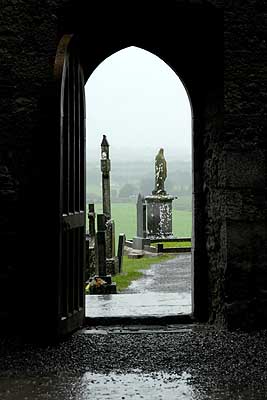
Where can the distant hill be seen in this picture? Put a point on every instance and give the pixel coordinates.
(140, 175)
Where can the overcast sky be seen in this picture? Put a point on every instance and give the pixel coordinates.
(141, 105)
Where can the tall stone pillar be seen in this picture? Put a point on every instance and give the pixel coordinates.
(105, 169)
(111, 259)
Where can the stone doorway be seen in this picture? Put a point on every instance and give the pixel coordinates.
(197, 61)
(157, 293)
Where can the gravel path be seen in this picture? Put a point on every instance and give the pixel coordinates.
(172, 276)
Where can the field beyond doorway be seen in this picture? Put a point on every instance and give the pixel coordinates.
(124, 215)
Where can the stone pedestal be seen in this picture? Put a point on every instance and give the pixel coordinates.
(159, 216)
(140, 242)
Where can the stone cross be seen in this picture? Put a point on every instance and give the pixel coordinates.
(105, 169)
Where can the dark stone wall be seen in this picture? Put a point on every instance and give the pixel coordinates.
(29, 34)
(230, 148)
(235, 176)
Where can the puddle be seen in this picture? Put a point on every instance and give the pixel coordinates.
(138, 304)
(135, 386)
(97, 386)
(132, 385)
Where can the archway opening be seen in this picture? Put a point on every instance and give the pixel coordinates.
(140, 104)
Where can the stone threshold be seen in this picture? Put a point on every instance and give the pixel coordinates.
(140, 320)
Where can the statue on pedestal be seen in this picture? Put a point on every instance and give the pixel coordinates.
(160, 173)
(159, 204)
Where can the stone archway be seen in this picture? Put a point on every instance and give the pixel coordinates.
(187, 35)
(141, 75)
(196, 60)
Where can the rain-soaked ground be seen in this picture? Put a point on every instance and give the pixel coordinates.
(171, 276)
(187, 362)
(192, 362)
(164, 290)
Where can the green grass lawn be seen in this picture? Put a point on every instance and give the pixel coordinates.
(173, 244)
(131, 269)
(124, 215)
(184, 202)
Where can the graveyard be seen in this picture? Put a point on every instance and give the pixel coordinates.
(115, 266)
(125, 216)
(49, 52)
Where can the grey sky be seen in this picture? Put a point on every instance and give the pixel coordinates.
(140, 104)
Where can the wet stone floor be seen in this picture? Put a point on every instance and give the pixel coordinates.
(190, 362)
(151, 362)
(164, 290)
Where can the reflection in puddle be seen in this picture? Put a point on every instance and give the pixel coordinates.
(135, 386)
(138, 304)
(132, 385)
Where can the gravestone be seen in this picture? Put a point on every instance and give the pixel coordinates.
(159, 204)
(112, 260)
(121, 244)
(101, 283)
(91, 219)
(90, 243)
(100, 253)
(140, 239)
(110, 238)
(101, 222)
(141, 216)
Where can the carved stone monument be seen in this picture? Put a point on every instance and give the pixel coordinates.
(159, 204)
(112, 263)
(101, 283)
(105, 169)
(160, 173)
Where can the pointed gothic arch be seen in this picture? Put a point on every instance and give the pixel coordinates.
(204, 88)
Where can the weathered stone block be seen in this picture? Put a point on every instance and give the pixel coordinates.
(139, 242)
(159, 216)
(91, 264)
(110, 239)
(112, 266)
